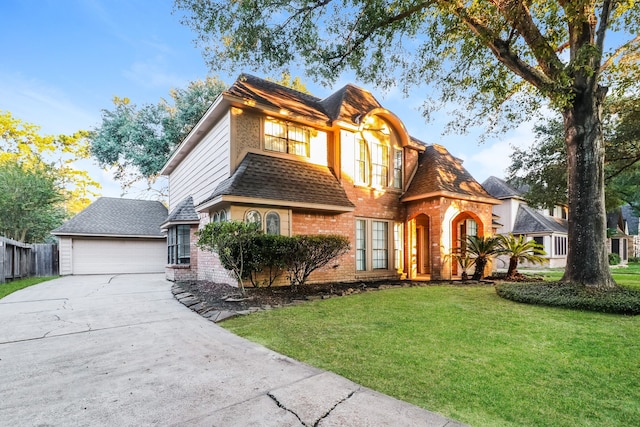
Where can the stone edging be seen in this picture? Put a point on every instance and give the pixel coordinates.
(215, 315)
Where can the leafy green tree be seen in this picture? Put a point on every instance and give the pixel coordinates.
(519, 250)
(481, 250)
(500, 60)
(22, 143)
(137, 141)
(31, 201)
(542, 166)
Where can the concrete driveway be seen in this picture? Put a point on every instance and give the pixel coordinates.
(121, 351)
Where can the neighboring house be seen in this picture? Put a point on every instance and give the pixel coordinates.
(618, 236)
(547, 227)
(632, 221)
(114, 236)
(297, 164)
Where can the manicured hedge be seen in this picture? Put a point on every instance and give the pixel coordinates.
(567, 295)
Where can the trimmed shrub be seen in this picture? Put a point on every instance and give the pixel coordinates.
(310, 252)
(270, 258)
(568, 295)
(614, 259)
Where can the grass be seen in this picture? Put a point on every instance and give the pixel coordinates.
(468, 354)
(16, 285)
(625, 276)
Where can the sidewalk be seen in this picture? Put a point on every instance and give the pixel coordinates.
(102, 350)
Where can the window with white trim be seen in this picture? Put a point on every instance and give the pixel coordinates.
(376, 162)
(285, 137)
(398, 245)
(560, 245)
(397, 168)
(375, 241)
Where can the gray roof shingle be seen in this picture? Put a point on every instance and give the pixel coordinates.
(529, 220)
(500, 189)
(183, 212)
(109, 216)
(279, 179)
(631, 218)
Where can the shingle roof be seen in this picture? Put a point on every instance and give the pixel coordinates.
(529, 220)
(348, 103)
(500, 189)
(345, 104)
(284, 180)
(271, 94)
(632, 219)
(109, 216)
(183, 212)
(438, 171)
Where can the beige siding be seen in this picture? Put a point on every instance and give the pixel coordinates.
(66, 255)
(203, 168)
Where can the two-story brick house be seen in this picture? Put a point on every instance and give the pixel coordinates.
(298, 164)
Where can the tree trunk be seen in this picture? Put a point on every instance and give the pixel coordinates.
(513, 267)
(481, 263)
(587, 258)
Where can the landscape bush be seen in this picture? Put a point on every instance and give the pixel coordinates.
(250, 254)
(573, 296)
(614, 259)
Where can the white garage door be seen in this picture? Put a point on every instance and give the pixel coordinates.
(112, 256)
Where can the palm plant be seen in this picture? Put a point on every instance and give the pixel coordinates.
(465, 262)
(520, 250)
(482, 249)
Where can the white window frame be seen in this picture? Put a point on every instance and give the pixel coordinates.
(368, 253)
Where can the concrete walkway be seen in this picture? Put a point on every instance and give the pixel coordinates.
(121, 351)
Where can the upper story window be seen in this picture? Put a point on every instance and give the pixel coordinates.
(377, 162)
(285, 137)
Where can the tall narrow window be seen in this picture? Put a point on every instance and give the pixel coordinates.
(380, 245)
(361, 245)
(472, 227)
(397, 168)
(273, 223)
(362, 164)
(379, 164)
(398, 245)
(286, 137)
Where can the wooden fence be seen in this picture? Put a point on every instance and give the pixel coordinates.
(18, 260)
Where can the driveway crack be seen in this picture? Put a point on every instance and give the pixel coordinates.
(280, 405)
(334, 407)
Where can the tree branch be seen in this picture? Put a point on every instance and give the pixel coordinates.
(516, 13)
(503, 52)
(390, 20)
(619, 51)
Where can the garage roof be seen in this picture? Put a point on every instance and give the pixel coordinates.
(109, 216)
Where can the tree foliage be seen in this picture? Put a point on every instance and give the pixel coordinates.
(137, 140)
(31, 201)
(542, 166)
(496, 61)
(21, 143)
(481, 250)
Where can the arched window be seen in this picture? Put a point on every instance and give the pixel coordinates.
(216, 217)
(223, 216)
(253, 216)
(377, 162)
(273, 223)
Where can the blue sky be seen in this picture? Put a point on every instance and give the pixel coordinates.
(65, 60)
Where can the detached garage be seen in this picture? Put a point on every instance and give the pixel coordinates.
(114, 236)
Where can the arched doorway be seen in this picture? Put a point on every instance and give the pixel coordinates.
(463, 225)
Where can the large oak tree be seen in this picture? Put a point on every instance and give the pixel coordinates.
(503, 56)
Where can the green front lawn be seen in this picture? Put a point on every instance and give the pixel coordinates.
(16, 285)
(468, 354)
